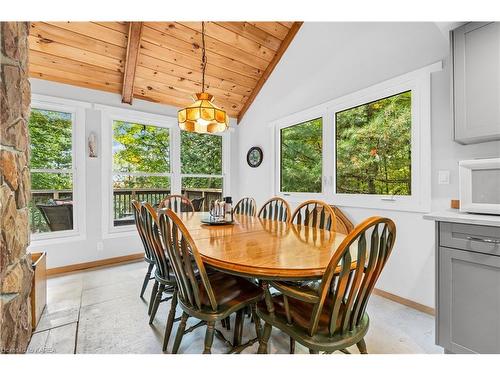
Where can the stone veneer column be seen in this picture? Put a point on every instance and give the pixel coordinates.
(15, 184)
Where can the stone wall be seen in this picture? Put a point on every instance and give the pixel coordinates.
(15, 263)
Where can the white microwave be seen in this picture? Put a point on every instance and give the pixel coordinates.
(480, 186)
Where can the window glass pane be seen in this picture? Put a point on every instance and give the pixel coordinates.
(202, 190)
(140, 148)
(201, 153)
(51, 205)
(373, 147)
(301, 161)
(151, 189)
(50, 139)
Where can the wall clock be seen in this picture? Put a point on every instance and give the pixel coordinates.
(254, 157)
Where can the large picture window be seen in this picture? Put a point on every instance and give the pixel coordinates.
(373, 147)
(141, 167)
(300, 157)
(201, 168)
(370, 148)
(51, 165)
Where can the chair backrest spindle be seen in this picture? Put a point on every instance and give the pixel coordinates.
(276, 209)
(177, 203)
(316, 214)
(245, 206)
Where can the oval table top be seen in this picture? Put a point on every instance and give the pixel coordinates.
(262, 248)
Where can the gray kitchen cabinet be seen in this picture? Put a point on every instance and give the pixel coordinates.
(468, 288)
(476, 82)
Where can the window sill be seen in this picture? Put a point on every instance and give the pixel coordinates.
(55, 239)
(120, 232)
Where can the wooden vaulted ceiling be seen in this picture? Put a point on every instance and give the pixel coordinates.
(161, 61)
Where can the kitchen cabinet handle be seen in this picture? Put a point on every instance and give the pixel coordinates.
(487, 240)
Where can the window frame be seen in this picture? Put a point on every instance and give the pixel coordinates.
(77, 111)
(109, 114)
(419, 83)
(225, 146)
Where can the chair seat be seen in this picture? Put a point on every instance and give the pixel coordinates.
(231, 292)
(301, 312)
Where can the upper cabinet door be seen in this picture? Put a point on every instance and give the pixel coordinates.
(476, 82)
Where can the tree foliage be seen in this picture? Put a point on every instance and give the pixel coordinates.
(50, 149)
(373, 146)
(301, 157)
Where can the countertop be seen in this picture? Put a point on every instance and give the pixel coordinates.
(455, 216)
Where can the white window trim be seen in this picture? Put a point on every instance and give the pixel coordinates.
(77, 110)
(110, 114)
(419, 82)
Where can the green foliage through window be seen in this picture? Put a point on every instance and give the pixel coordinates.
(51, 161)
(373, 147)
(140, 148)
(301, 157)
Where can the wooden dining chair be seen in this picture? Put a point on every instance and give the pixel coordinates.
(245, 206)
(165, 282)
(148, 255)
(276, 209)
(333, 317)
(315, 213)
(208, 297)
(177, 203)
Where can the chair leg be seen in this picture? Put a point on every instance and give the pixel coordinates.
(292, 345)
(152, 298)
(312, 351)
(362, 346)
(156, 303)
(228, 323)
(170, 320)
(256, 322)
(264, 339)
(238, 328)
(209, 337)
(146, 279)
(180, 333)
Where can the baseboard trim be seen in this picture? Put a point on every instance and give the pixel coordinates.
(404, 301)
(94, 264)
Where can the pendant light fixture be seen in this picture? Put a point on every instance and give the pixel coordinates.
(203, 116)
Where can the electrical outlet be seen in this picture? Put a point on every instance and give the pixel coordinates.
(100, 246)
(444, 177)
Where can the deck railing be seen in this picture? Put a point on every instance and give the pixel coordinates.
(122, 199)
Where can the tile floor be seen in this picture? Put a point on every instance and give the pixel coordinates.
(100, 311)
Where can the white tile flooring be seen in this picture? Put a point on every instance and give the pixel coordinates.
(100, 311)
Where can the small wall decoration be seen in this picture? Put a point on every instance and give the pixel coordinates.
(92, 141)
(254, 157)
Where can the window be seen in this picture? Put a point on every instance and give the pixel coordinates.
(51, 149)
(373, 147)
(301, 153)
(141, 167)
(367, 149)
(201, 168)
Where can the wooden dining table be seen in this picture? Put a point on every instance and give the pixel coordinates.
(263, 249)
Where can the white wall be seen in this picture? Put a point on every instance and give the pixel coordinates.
(329, 60)
(66, 251)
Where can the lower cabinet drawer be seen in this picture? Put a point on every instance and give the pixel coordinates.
(477, 238)
(468, 301)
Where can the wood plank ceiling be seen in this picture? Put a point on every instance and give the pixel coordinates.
(161, 61)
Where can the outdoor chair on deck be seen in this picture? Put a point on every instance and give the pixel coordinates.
(57, 216)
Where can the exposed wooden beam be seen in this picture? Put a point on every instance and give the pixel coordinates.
(133, 46)
(283, 47)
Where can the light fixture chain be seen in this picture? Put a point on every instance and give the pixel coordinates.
(204, 57)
